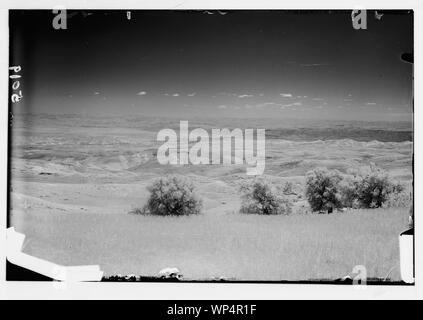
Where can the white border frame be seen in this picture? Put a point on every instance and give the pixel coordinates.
(194, 291)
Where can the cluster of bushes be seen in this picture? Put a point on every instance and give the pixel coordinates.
(175, 196)
(327, 190)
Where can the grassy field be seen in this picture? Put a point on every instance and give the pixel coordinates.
(235, 246)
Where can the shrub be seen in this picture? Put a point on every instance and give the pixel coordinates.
(374, 187)
(172, 195)
(323, 189)
(348, 188)
(398, 200)
(261, 197)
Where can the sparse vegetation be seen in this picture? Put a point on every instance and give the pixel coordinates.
(85, 218)
(323, 189)
(261, 197)
(171, 196)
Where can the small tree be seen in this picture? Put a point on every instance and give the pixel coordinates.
(375, 187)
(323, 189)
(172, 195)
(264, 198)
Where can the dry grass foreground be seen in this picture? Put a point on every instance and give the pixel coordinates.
(235, 246)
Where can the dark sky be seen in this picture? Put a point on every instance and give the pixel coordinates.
(241, 63)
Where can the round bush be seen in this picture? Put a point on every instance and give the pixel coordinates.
(374, 187)
(323, 189)
(172, 195)
(261, 197)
